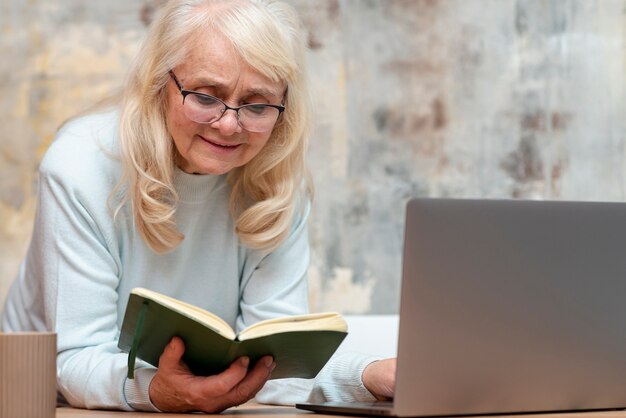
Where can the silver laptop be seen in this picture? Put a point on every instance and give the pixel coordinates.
(507, 307)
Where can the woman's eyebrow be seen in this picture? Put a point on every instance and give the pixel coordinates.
(206, 82)
(260, 91)
(219, 86)
(253, 91)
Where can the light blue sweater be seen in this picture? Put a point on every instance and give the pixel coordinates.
(81, 266)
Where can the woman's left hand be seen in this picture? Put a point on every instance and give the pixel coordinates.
(379, 378)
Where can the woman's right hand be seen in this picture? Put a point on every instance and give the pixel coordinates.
(175, 389)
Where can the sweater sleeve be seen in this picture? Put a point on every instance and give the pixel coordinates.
(276, 285)
(72, 260)
(339, 381)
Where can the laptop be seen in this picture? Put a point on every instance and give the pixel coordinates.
(509, 306)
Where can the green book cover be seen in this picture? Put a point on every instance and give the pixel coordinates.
(301, 345)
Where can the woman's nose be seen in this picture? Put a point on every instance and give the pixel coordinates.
(228, 123)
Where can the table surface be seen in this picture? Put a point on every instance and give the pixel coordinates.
(247, 410)
(254, 410)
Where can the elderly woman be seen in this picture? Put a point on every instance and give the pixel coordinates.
(194, 185)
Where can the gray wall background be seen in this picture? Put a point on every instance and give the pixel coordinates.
(455, 98)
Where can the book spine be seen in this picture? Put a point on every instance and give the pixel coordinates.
(132, 354)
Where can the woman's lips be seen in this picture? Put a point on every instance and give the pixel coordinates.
(221, 146)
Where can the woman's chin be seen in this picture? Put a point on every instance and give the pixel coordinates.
(213, 169)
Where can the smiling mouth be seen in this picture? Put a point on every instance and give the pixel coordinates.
(224, 146)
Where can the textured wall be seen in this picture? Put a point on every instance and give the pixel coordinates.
(478, 98)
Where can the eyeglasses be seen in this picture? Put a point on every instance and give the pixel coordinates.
(203, 108)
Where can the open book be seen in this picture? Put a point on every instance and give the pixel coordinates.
(301, 345)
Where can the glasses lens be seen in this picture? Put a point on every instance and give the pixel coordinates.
(258, 117)
(203, 108)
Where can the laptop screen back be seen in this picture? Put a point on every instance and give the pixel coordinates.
(512, 306)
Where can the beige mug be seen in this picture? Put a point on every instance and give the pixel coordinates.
(28, 374)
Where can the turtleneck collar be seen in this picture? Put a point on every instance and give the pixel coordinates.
(196, 187)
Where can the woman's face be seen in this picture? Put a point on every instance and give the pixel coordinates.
(213, 67)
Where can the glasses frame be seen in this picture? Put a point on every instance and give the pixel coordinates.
(184, 92)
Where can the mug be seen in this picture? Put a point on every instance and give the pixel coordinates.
(28, 374)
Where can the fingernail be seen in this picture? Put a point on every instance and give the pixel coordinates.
(268, 362)
(244, 361)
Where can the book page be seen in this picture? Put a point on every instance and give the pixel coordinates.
(198, 314)
(325, 321)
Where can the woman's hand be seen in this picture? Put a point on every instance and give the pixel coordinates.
(379, 378)
(175, 389)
